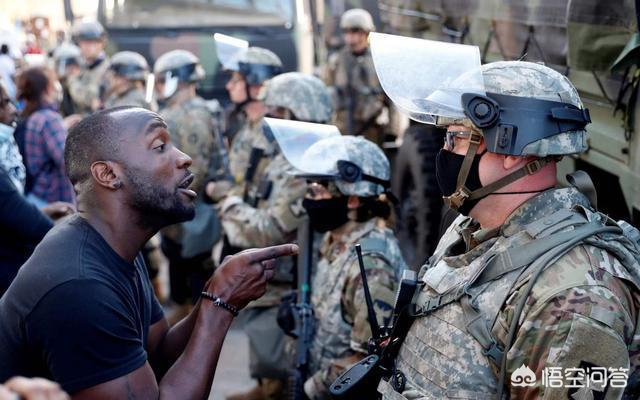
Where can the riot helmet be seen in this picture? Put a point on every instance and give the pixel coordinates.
(177, 66)
(357, 18)
(255, 64)
(64, 55)
(305, 96)
(130, 65)
(88, 30)
(319, 152)
(518, 108)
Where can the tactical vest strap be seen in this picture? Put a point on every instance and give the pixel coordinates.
(477, 327)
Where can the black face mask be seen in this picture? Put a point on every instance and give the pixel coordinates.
(448, 165)
(327, 214)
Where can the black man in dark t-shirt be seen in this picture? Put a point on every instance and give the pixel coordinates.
(82, 311)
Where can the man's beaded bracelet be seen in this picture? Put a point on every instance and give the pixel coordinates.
(218, 302)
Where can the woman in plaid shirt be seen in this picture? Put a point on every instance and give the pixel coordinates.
(41, 136)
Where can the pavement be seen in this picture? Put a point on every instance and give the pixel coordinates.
(232, 374)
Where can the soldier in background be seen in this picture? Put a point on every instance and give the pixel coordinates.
(529, 277)
(66, 60)
(188, 245)
(360, 104)
(250, 68)
(272, 214)
(126, 81)
(347, 200)
(86, 86)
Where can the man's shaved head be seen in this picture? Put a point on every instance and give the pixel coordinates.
(98, 136)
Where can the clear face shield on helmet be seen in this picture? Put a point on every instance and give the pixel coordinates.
(319, 152)
(425, 78)
(150, 85)
(294, 139)
(230, 51)
(170, 84)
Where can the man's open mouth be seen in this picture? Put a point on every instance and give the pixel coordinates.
(183, 187)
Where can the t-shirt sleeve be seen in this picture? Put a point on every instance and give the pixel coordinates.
(85, 334)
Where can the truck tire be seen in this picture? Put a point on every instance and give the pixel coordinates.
(420, 201)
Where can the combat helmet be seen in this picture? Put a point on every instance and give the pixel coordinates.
(318, 151)
(304, 95)
(65, 54)
(357, 18)
(255, 64)
(518, 108)
(88, 30)
(130, 65)
(177, 66)
(258, 65)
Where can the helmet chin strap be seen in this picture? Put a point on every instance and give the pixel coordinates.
(462, 193)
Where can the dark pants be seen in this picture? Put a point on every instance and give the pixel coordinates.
(187, 276)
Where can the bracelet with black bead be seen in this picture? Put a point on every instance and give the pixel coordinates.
(220, 303)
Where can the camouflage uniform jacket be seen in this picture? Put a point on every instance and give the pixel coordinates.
(353, 79)
(249, 136)
(191, 129)
(583, 298)
(274, 220)
(337, 295)
(133, 97)
(85, 87)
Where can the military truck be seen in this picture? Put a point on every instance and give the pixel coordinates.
(153, 27)
(582, 39)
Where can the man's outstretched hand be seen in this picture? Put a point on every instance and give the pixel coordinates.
(243, 277)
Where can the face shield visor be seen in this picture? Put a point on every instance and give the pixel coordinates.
(149, 88)
(425, 78)
(295, 138)
(230, 51)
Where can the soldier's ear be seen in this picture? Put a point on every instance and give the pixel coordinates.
(106, 174)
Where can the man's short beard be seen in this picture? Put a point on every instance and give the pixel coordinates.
(158, 207)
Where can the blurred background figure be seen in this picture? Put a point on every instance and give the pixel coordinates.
(66, 63)
(361, 107)
(86, 87)
(190, 124)
(7, 70)
(41, 135)
(22, 225)
(126, 79)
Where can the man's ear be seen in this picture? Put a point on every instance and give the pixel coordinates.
(106, 174)
(353, 202)
(511, 162)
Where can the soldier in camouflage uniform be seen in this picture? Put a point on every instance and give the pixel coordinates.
(191, 127)
(272, 214)
(508, 297)
(250, 68)
(361, 106)
(126, 81)
(86, 87)
(346, 199)
(66, 62)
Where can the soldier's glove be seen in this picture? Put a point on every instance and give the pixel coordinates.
(287, 314)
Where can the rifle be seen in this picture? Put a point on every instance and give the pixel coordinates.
(360, 382)
(304, 313)
(254, 160)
